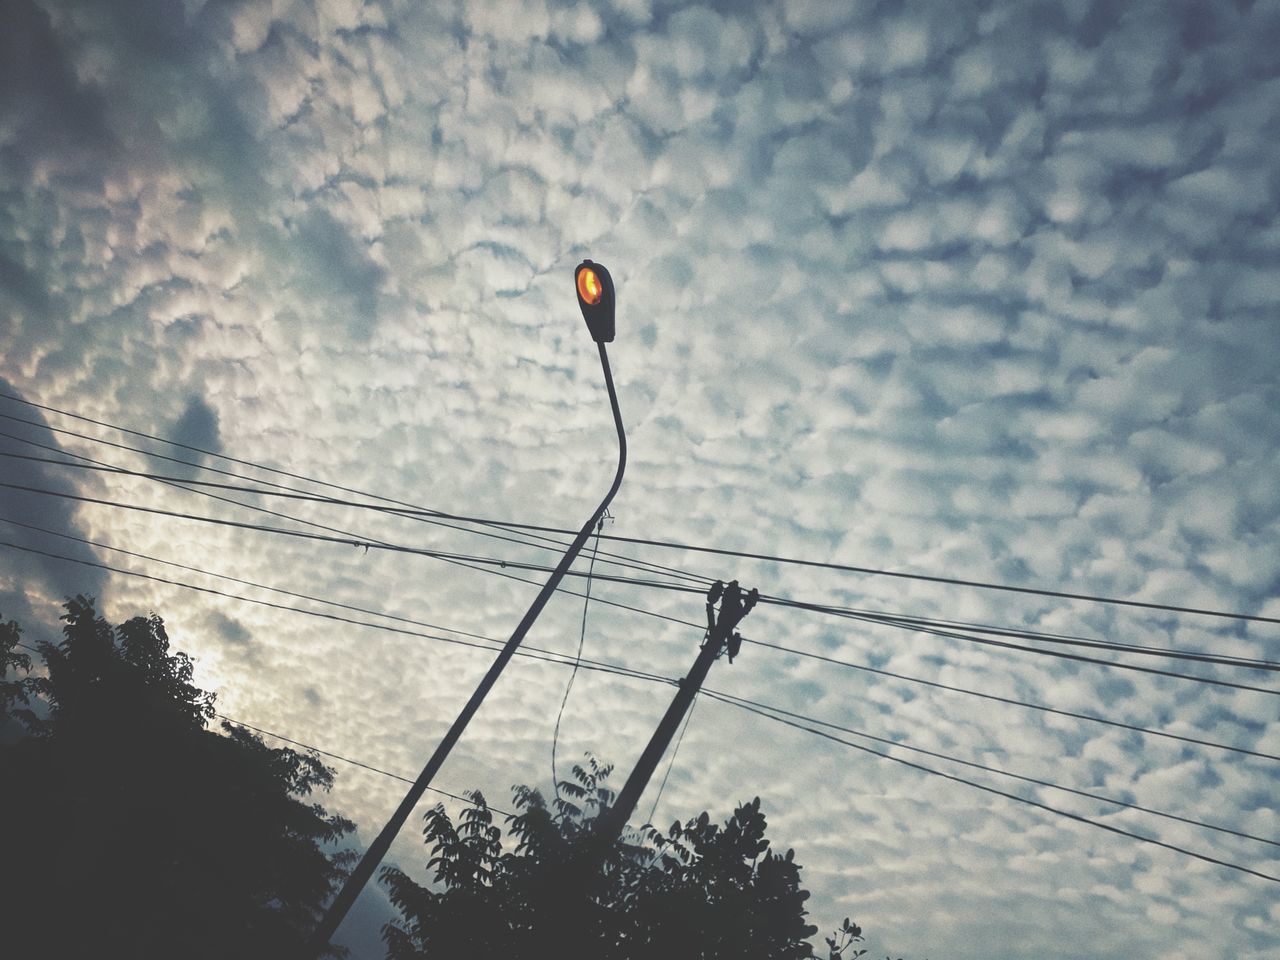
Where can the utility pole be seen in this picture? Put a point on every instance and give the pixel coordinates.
(721, 636)
(596, 298)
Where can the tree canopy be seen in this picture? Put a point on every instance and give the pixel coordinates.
(134, 830)
(698, 890)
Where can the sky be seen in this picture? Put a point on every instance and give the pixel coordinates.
(973, 290)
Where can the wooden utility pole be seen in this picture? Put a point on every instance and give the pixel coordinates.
(734, 605)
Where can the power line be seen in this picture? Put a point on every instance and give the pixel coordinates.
(197, 486)
(1001, 793)
(626, 562)
(892, 619)
(398, 508)
(888, 620)
(910, 621)
(355, 763)
(1060, 654)
(898, 619)
(242, 582)
(344, 540)
(762, 710)
(773, 646)
(355, 538)
(742, 701)
(668, 544)
(1009, 700)
(533, 653)
(315, 749)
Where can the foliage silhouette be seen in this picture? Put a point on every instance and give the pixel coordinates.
(699, 890)
(135, 831)
(18, 691)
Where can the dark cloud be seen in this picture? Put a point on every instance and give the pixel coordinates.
(48, 110)
(230, 630)
(197, 427)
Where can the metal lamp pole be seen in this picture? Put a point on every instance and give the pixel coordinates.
(596, 298)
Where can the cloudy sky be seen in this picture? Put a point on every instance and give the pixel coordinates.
(979, 290)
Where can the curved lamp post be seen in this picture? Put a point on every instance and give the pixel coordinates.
(596, 298)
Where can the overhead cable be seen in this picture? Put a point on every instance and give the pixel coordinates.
(741, 701)
(668, 544)
(1009, 700)
(497, 561)
(1002, 793)
(761, 643)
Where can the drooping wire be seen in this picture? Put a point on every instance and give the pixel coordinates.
(573, 674)
(672, 761)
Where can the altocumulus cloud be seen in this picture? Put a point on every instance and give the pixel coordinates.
(985, 289)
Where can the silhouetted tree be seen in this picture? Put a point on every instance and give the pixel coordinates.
(135, 831)
(19, 689)
(699, 890)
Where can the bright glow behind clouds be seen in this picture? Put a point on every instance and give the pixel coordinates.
(979, 289)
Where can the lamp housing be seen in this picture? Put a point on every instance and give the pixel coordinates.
(594, 287)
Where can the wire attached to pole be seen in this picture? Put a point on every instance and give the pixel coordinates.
(582, 636)
(672, 762)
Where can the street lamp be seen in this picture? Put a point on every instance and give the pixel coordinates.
(596, 298)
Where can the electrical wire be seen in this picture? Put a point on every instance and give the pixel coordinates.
(760, 643)
(247, 583)
(668, 544)
(582, 638)
(343, 540)
(1010, 700)
(199, 487)
(910, 621)
(741, 701)
(876, 616)
(496, 561)
(397, 508)
(1062, 655)
(533, 653)
(898, 619)
(1001, 793)
(355, 763)
(672, 761)
(764, 711)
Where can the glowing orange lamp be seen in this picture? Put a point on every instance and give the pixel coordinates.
(595, 297)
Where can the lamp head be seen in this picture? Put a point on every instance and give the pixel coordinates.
(595, 297)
